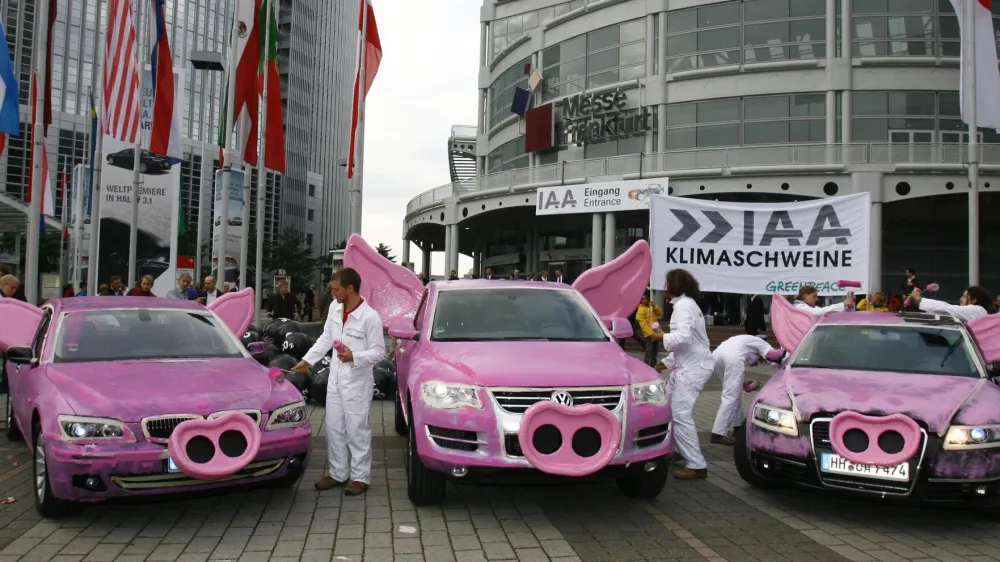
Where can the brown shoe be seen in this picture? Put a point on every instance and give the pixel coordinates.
(691, 474)
(722, 440)
(355, 488)
(327, 482)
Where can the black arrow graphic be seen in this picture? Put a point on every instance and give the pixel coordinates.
(722, 227)
(689, 225)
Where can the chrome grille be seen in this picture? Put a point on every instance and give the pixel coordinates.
(160, 428)
(517, 400)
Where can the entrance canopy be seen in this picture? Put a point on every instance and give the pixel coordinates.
(14, 216)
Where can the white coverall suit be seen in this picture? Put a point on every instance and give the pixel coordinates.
(732, 358)
(692, 360)
(965, 313)
(349, 391)
(820, 310)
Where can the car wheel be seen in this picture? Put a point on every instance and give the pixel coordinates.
(400, 421)
(741, 458)
(642, 484)
(423, 486)
(142, 167)
(48, 506)
(13, 432)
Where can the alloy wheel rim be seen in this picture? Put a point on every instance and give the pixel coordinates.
(40, 477)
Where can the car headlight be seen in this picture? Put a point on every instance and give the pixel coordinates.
(289, 415)
(77, 428)
(449, 395)
(965, 437)
(653, 392)
(775, 419)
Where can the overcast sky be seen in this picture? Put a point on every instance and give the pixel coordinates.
(426, 83)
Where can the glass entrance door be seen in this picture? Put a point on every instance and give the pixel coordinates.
(910, 146)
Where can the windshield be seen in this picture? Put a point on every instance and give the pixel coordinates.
(900, 349)
(116, 335)
(514, 314)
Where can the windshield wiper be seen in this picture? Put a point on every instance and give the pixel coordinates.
(951, 349)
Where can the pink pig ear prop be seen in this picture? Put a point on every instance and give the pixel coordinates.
(391, 289)
(789, 323)
(19, 324)
(614, 289)
(775, 355)
(986, 331)
(235, 310)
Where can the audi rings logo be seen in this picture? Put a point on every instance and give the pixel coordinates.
(562, 397)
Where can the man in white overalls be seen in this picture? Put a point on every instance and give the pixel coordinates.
(349, 392)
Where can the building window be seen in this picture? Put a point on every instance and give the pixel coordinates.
(605, 56)
(312, 191)
(910, 118)
(509, 156)
(914, 28)
(756, 120)
(502, 90)
(505, 31)
(310, 214)
(309, 240)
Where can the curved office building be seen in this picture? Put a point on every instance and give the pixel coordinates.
(755, 100)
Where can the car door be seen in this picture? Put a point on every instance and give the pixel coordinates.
(405, 349)
(23, 378)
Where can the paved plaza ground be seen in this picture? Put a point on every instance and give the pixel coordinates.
(716, 519)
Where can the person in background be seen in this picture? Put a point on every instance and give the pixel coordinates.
(68, 291)
(975, 302)
(876, 303)
(645, 316)
(83, 289)
(808, 297)
(180, 292)
(489, 274)
(996, 305)
(210, 293)
(688, 347)
(543, 276)
(422, 276)
(284, 304)
(309, 303)
(453, 276)
(531, 277)
(558, 276)
(326, 299)
(145, 288)
(755, 323)
(8, 286)
(516, 276)
(103, 290)
(117, 288)
(909, 281)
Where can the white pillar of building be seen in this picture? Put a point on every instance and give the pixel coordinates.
(426, 260)
(597, 240)
(477, 261)
(406, 251)
(661, 112)
(651, 49)
(454, 249)
(831, 93)
(609, 237)
(846, 50)
(447, 249)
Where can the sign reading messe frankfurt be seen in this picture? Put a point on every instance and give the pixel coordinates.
(761, 248)
(632, 195)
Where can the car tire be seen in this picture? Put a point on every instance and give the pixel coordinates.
(423, 486)
(142, 167)
(48, 506)
(400, 421)
(642, 485)
(13, 432)
(741, 458)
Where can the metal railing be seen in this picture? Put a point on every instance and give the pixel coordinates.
(464, 131)
(713, 161)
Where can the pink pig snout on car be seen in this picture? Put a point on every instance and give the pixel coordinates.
(216, 448)
(569, 441)
(879, 441)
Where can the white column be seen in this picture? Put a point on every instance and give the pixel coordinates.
(596, 240)
(651, 49)
(447, 250)
(831, 93)
(609, 237)
(875, 247)
(846, 50)
(454, 250)
(477, 260)
(969, 55)
(406, 251)
(661, 111)
(425, 261)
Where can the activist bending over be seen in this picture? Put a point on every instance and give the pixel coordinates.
(732, 358)
(354, 330)
(808, 297)
(975, 302)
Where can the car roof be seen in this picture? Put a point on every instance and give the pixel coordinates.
(78, 304)
(868, 318)
(472, 284)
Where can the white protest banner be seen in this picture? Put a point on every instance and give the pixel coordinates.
(605, 197)
(763, 248)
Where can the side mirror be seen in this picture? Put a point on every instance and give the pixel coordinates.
(402, 328)
(621, 328)
(257, 347)
(21, 355)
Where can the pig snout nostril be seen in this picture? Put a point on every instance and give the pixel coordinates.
(586, 442)
(232, 443)
(547, 439)
(891, 442)
(856, 440)
(200, 449)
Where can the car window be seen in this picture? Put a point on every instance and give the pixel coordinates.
(43, 328)
(418, 320)
(514, 314)
(114, 335)
(898, 349)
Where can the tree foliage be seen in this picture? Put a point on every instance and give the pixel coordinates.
(289, 251)
(386, 252)
(48, 249)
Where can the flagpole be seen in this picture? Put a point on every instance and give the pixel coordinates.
(62, 234)
(227, 152)
(95, 202)
(38, 142)
(133, 234)
(262, 169)
(969, 43)
(79, 192)
(357, 186)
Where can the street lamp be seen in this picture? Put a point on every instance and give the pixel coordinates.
(208, 61)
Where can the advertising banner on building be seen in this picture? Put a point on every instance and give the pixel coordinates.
(79, 245)
(605, 197)
(762, 248)
(160, 183)
(234, 230)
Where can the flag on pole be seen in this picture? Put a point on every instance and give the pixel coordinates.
(165, 138)
(47, 204)
(93, 152)
(121, 75)
(246, 109)
(10, 119)
(274, 143)
(373, 56)
(987, 74)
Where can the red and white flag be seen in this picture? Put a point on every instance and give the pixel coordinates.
(47, 203)
(987, 74)
(165, 136)
(247, 106)
(121, 76)
(372, 46)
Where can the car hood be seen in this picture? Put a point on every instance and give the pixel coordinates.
(535, 364)
(933, 399)
(132, 390)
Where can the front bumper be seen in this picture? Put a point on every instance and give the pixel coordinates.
(140, 469)
(485, 441)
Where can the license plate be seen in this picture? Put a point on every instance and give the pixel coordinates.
(172, 466)
(838, 465)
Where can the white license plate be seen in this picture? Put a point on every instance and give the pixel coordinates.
(172, 466)
(838, 465)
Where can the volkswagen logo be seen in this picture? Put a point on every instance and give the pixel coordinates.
(562, 397)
